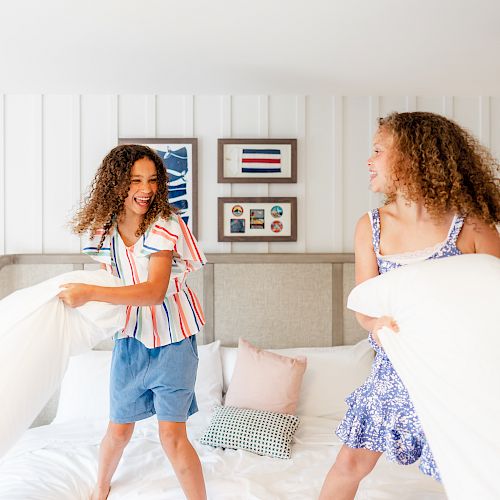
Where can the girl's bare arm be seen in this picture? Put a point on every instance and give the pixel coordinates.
(148, 293)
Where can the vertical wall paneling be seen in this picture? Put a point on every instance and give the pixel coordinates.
(374, 113)
(63, 139)
(263, 132)
(431, 104)
(263, 116)
(245, 123)
(151, 115)
(61, 175)
(208, 125)
(494, 105)
(447, 106)
(300, 188)
(2, 175)
(170, 116)
(411, 103)
(226, 128)
(188, 116)
(38, 165)
(99, 133)
(283, 115)
(245, 116)
(76, 152)
(466, 111)
(136, 115)
(287, 119)
(356, 134)
(113, 121)
(484, 121)
(23, 173)
(390, 104)
(322, 191)
(338, 174)
(302, 176)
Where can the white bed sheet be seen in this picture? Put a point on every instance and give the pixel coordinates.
(59, 462)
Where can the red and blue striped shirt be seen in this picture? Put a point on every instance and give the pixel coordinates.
(180, 315)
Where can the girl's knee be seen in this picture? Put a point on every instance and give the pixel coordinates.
(356, 463)
(172, 436)
(120, 434)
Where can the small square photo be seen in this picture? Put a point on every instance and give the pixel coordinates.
(237, 225)
(257, 218)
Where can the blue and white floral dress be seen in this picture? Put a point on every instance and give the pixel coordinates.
(380, 415)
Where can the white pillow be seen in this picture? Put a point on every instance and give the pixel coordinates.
(332, 374)
(208, 386)
(446, 353)
(85, 387)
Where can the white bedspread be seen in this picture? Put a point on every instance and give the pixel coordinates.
(59, 462)
(38, 333)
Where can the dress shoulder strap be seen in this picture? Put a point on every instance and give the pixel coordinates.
(375, 222)
(455, 229)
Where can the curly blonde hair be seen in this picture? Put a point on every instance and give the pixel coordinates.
(104, 202)
(436, 161)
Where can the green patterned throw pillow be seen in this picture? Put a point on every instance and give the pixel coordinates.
(261, 432)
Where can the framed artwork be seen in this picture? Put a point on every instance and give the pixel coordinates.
(180, 159)
(257, 219)
(257, 160)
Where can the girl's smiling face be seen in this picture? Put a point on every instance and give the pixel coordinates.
(379, 166)
(143, 187)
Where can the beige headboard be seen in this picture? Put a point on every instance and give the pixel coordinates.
(273, 300)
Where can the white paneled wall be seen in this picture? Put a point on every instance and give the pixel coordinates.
(51, 145)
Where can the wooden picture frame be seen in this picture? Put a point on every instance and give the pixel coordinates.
(269, 218)
(257, 160)
(182, 172)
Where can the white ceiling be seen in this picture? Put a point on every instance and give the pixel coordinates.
(407, 47)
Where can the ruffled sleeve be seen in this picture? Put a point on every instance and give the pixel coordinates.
(173, 234)
(90, 248)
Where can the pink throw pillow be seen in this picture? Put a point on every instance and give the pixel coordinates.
(263, 380)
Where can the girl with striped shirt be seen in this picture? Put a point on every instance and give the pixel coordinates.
(135, 234)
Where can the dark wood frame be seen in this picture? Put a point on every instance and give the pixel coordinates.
(260, 199)
(194, 174)
(253, 180)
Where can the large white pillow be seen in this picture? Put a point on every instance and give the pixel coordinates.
(85, 387)
(447, 354)
(332, 374)
(208, 386)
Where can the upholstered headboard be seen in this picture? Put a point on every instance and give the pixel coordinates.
(272, 300)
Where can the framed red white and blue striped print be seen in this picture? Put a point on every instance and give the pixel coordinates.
(257, 160)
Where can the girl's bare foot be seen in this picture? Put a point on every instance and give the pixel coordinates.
(100, 493)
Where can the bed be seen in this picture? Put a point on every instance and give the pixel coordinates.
(58, 460)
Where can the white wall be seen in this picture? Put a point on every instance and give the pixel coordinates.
(51, 145)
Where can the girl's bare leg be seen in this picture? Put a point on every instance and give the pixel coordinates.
(183, 458)
(351, 466)
(116, 438)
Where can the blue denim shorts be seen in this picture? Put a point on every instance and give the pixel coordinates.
(148, 381)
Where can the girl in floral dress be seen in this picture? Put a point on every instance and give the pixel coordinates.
(442, 199)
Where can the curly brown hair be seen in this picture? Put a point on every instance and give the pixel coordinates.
(439, 163)
(104, 203)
